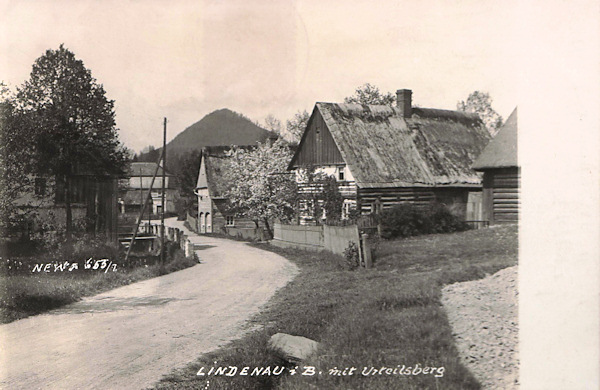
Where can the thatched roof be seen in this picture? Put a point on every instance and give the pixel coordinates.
(384, 149)
(501, 152)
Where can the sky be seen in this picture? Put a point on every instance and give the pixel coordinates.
(185, 59)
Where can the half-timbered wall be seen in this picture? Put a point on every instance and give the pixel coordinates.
(501, 195)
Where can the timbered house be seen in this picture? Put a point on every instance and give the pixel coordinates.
(383, 155)
(501, 174)
(214, 214)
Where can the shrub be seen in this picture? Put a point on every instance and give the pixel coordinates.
(407, 220)
(352, 256)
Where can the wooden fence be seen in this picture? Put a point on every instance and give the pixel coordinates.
(334, 239)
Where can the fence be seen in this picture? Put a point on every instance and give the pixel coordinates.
(173, 235)
(331, 238)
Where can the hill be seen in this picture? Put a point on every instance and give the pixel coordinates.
(219, 128)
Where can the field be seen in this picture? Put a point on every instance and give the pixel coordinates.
(390, 316)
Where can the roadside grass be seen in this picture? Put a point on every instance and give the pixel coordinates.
(388, 316)
(26, 294)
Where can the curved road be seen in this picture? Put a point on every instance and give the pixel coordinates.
(128, 338)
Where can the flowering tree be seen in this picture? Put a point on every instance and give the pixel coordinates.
(260, 188)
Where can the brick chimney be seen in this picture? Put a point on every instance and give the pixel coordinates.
(404, 102)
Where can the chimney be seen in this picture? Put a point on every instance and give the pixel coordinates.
(404, 102)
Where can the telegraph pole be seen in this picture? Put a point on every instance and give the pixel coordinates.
(162, 211)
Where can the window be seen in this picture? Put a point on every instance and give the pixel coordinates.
(229, 221)
(341, 174)
(40, 186)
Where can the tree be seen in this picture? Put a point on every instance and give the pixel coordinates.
(333, 201)
(185, 166)
(320, 192)
(70, 120)
(370, 94)
(480, 103)
(15, 158)
(296, 126)
(261, 189)
(272, 124)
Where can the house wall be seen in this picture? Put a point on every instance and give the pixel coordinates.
(318, 148)
(372, 200)
(501, 195)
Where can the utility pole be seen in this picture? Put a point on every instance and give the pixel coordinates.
(162, 211)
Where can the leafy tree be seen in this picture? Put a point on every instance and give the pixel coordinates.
(185, 166)
(261, 189)
(333, 200)
(70, 120)
(370, 94)
(15, 158)
(320, 192)
(296, 126)
(480, 103)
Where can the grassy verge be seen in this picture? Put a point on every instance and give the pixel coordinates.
(386, 317)
(27, 293)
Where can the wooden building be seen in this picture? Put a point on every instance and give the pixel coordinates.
(214, 214)
(501, 174)
(93, 204)
(139, 178)
(383, 156)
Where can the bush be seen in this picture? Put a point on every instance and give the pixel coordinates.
(352, 256)
(408, 220)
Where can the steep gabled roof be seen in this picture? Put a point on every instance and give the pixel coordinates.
(501, 152)
(384, 149)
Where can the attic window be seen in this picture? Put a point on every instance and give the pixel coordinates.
(341, 176)
(229, 221)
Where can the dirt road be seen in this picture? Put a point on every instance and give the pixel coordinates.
(129, 337)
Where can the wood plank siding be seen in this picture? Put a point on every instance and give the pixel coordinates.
(501, 195)
(318, 147)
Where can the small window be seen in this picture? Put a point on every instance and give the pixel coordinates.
(341, 176)
(229, 221)
(40, 186)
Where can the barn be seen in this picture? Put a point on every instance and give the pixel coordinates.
(383, 155)
(501, 175)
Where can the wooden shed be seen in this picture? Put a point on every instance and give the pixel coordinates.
(383, 155)
(501, 175)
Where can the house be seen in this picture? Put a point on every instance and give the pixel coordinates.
(214, 213)
(93, 203)
(501, 174)
(383, 155)
(138, 184)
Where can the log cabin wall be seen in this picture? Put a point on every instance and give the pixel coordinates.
(373, 200)
(501, 195)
